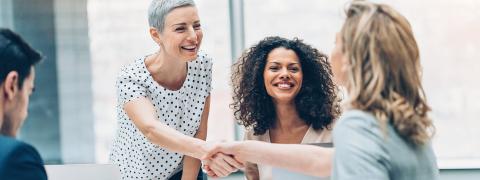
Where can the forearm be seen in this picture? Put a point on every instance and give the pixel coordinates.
(175, 141)
(301, 158)
(142, 113)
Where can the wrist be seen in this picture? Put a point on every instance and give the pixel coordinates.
(240, 149)
(198, 148)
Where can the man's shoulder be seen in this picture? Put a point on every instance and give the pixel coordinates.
(17, 157)
(12, 147)
(9, 145)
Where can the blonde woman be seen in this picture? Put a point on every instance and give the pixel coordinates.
(385, 132)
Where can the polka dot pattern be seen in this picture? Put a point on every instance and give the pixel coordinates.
(180, 109)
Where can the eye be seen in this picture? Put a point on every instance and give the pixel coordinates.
(294, 69)
(197, 26)
(273, 68)
(180, 29)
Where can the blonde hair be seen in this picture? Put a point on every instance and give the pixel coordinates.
(384, 73)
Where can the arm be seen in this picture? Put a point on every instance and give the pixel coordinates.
(191, 165)
(142, 113)
(308, 159)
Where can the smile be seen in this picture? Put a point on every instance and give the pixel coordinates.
(284, 85)
(189, 48)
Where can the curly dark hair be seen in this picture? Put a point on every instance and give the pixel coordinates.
(317, 102)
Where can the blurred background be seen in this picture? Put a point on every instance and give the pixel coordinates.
(72, 113)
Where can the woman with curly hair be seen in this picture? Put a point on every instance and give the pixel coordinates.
(283, 93)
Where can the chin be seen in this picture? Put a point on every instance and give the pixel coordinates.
(190, 58)
(284, 98)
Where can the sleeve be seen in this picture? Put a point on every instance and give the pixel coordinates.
(130, 86)
(25, 163)
(359, 150)
(208, 73)
(251, 171)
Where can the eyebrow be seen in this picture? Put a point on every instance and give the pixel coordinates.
(275, 62)
(183, 24)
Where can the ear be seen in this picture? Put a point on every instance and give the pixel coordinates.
(11, 85)
(155, 35)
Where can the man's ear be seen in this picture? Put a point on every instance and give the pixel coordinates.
(10, 85)
(155, 35)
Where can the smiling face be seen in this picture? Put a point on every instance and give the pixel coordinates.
(182, 35)
(283, 75)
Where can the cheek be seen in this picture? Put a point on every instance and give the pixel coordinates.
(267, 79)
(336, 63)
(24, 102)
(299, 78)
(200, 35)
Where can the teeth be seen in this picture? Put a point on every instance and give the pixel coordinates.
(284, 85)
(189, 47)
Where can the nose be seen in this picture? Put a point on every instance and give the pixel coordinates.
(284, 74)
(192, 36)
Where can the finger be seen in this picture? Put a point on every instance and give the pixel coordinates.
(220, 160)
(210, 173)
(206, 168)
(217, 167)
(233, 162)
(218, 171)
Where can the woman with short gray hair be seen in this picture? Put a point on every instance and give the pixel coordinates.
(164, 100)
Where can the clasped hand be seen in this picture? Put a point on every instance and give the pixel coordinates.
(221, 160)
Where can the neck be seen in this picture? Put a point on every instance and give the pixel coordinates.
(166, 70)
(287, 117)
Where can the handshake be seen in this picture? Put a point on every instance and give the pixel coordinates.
(222, 158)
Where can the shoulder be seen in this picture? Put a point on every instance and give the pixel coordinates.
(356, 119)
(321, 135)
(249, 135)
(15, 148)
(360, 149)
(134, 73)
(358, 129)
(18, 157)
(8, 147)
(134, 69)
(204, 61)
(204, 57)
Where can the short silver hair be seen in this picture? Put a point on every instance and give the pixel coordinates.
(159, 9)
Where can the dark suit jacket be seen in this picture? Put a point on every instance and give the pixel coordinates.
(20, 161)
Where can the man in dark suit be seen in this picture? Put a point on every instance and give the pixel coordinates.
(18, 160)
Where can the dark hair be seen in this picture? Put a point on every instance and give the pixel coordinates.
(16, 55)
(317, 102)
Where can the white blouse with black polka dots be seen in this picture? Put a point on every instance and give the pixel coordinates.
(182, 109)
